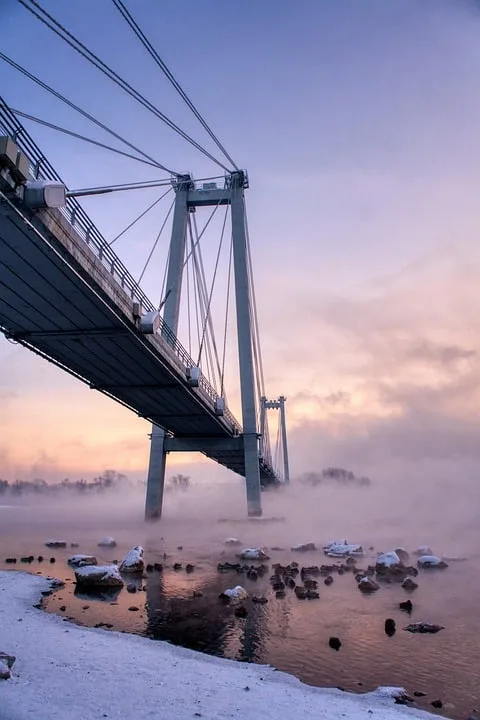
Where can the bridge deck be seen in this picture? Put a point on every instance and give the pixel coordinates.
(58, 298)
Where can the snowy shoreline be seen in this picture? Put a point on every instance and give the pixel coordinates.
(67, 672)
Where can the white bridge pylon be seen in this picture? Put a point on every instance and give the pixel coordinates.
(187, 199)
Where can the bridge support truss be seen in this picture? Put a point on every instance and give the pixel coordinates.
(275, 405)
(186, 200)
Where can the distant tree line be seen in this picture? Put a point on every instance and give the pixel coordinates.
(333, 475)
(108, 481)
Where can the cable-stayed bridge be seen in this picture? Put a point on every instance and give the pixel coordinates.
(66, 295)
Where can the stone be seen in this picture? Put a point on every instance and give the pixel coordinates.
(52, 560)
(310, 583)
(133, 608)
(96, 576)
(82, 560)
(74, 545)
(253, 554)
(335, 643)
(40, 558)
(189, 568)
(107, 542)
(235, 593)
(131, 588)
(419, 693)
(402, 554)
(409, 584)
(406, 606)
(280, 594)
(424, 550)
(390, 627)
(304, 547)
(177, 566)
(233, 541)
(368, 585)
(197, 594)
(10, 560)
(149, 568)
(328, 580)
(260, 599)
(56, 544)
(241, 611)
(423, 627)
(437, 704)
(6, 664)
(431, 562)
(133, 561)
(300, 592)
(158, 567)
(312, 594)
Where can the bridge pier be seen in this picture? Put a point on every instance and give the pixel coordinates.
(156, 475)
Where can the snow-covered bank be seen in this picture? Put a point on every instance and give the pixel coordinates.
(65, 672)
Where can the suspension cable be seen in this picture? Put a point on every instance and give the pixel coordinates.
(213, 283)
(201, 292)
(52, 126)
(161, 64)
(156, 242)
(139, 217)
(222, 375)
(188, 312)
(92, 58)
(78, 109)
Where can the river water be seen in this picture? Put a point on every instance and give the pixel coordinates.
(288, 633)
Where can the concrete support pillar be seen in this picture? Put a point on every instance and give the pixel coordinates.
(244, 332)
(171, 310)
(283, 425)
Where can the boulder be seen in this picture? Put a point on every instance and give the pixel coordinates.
(98, 576)
(368, 585)
(6, 664)
(232, 541)
(390, 627)
(133, 561)
(335, 643)
(236, 593)
(56, 544)
(409, 584)
(427, 562)
(82, 560)
(423, 627)
(304, 547)
(253, 554)
(406, 606)
(402, 554)
(108, 542)
(342, 549)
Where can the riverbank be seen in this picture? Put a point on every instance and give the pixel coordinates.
(65, 672)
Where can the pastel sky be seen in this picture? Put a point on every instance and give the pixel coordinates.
(358, 123)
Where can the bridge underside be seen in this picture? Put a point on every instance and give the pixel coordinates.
(58, 299)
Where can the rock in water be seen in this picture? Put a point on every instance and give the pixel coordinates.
(390, 627)
(107, 542)
(406, 606)
(133, 561)
(82, 560)
(235, 593)
(98, 576)
(409, 584)
(423, 627)
(368, 585)
(304, 547)
(431, 561)
(253, 554)
(56, 543)
(423, 550)
(402, 554)
(233, 541)
(335, 643)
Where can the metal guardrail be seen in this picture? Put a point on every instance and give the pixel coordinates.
(87, 230)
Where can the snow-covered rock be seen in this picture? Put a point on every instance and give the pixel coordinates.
(368, 585)
(253, 554)
(304, 547)
(388, 559)
(233, 541)
(56, 544)
(342, 549)
(108, 542)
(431, 561)
(235, 593)
(424, 550)
(98, 576)
(423, 627)
(6, 664)
(81, 560)
(133, 561)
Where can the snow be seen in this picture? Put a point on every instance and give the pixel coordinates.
(342, 549)
(388, 559)
(65, 672)
(133, 560)
(429, 561)
(236, 593)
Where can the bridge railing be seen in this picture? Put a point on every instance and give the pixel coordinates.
(87, 230)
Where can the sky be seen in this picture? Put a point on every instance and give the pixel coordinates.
(358, 125)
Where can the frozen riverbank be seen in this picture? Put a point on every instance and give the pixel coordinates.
(64, 672)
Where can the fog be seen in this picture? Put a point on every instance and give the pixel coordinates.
(413, 506)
